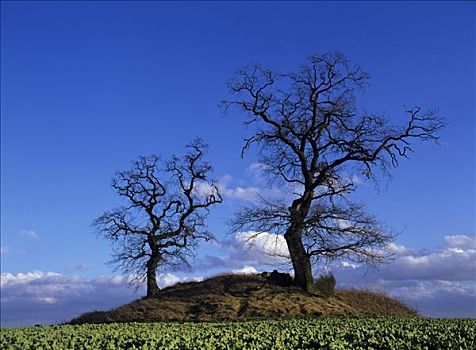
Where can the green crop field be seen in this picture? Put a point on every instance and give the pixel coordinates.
(327, 333)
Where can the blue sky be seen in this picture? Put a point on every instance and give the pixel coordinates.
(88, 86)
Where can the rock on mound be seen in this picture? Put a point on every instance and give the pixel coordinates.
(244, 297)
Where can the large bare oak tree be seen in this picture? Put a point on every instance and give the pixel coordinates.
(312, 137)
(168, 203)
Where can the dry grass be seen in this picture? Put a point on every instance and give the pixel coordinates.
(371, 302)
(244, 297)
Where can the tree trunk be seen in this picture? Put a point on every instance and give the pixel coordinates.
(152, 287)
(301, 261)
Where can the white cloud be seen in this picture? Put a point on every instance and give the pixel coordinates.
(39, 297)
(257, 170)
(396, 248)
(435, 298)
(461, 241)
(9, 279)
(244, 193)
(31, 234)
(247, 270)
(258, 249)
(237, 192)
(267, 247)
(47, 300)
(229, 189)
(233, 192)
(439, 283)
(4, 249)
(453, 260)
(169, 279)
(256, 167)
(347, 264)
(448, 263)
(243, 250)
(205, 189)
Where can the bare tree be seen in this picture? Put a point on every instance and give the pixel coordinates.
(312, 137)
(168, 203)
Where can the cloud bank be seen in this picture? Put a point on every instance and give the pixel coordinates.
(438, 283)
(50, 298)
(261, 250)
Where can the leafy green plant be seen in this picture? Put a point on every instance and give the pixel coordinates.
(381, 333)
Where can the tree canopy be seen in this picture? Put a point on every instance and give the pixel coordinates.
(165, 212)
(311, 136)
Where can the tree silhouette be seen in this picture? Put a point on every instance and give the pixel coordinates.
(311, 136)
(168, 203)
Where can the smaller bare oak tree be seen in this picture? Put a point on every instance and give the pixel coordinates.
(312, 137)
(168, 203)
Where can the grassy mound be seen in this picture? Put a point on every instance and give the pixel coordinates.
(245, 297)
